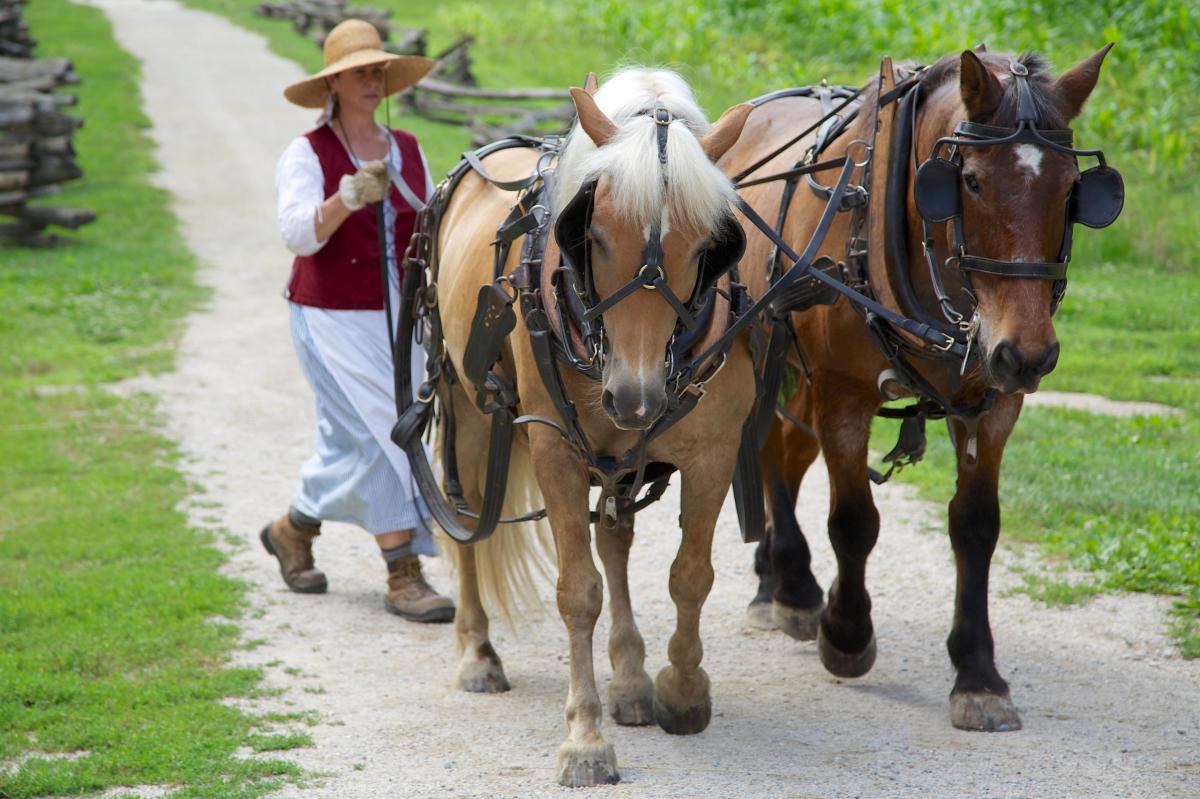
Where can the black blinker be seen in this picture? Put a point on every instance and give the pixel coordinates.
(726, 251)
(1098, 197)
(570, 230)
(936, 190)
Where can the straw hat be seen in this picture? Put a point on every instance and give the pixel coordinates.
(355, 43)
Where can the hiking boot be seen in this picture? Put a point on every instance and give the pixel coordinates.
(411, 597)
(290, 539)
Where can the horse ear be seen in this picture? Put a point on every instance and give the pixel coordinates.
(595, 124)
(981, 91)
(726, 131)
(1074, 86)
(980, 48)
(590, 85)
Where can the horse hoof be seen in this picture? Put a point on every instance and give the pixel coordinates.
(687, 721)
(632, 705)
(799, 623)
(845, 664)
(483, 675)
(761, 616)
(980, 711)
(582, 766)
(682, 704)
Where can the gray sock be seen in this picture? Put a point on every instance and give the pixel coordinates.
(301, 519)
(394, 554)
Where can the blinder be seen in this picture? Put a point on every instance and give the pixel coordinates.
(723, 255)
(570, 230)
(1096, 198)
(936, 190)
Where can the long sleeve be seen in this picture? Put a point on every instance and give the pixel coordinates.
(299, 191)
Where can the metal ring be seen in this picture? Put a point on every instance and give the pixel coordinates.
(868, 150)
(507, 280)
(422, 397)
(649, 284)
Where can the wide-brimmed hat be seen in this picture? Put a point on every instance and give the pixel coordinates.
(355, 43)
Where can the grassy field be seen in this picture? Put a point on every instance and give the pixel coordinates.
(108, 649)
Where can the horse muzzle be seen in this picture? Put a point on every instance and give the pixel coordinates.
(1009, 370)
(632, 405)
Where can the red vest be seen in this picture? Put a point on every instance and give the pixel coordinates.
(344, 274)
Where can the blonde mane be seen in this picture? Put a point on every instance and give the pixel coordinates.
(690, 187)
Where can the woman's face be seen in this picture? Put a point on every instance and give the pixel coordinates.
(359, 90)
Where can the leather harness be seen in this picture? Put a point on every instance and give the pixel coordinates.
(561, 315)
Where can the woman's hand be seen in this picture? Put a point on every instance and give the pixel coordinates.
(367, 185)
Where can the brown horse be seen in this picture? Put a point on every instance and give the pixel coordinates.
(653, 207)
(1011, 202)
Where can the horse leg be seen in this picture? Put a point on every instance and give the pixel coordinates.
(759, 613)
(585, 757)
(789, 597)
(798, 599)
(479, 667)
(631, 692)
(682, 702)
(980, 698)
(846, 638)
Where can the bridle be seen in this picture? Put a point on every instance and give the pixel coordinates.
(571, 233)
(1096, 199)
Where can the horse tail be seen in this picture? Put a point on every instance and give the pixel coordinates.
(516, 559)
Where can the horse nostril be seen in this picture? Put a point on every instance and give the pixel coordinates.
(1048, 361)
(1005, 359)
(608, 403)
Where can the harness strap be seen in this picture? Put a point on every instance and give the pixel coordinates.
(506, 185)
(408, 438)
(791, 173)
(1052, 270)
(980, 131)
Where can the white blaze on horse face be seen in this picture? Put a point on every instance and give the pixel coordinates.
(664, 221)
(1029, 158)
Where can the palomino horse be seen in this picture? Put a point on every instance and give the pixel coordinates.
(644, 206)
(1010, 196)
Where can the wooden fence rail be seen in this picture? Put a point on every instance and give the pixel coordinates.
(36, 153)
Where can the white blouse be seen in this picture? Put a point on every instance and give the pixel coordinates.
(300, 190)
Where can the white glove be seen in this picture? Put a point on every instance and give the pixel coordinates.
(367, 185)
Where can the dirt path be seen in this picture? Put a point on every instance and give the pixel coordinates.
(1108, 710)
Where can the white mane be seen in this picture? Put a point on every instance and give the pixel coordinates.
(695, 191)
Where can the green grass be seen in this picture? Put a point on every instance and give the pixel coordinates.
(109, 651)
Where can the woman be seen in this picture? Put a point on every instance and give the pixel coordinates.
(328, 182)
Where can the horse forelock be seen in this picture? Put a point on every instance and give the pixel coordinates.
(690, 186)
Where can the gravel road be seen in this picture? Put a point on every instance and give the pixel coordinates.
(1109, 709)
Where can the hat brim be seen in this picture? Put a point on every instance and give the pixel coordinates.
(402, 71)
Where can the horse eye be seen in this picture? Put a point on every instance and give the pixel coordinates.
(972, 182)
